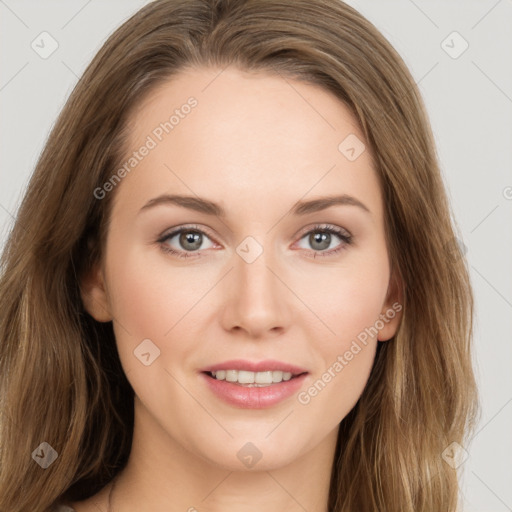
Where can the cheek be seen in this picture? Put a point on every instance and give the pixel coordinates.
(347, 299)
(349, 307)
(330, 395)
(149, 301)
(148, 296)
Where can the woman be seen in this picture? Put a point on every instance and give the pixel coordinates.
(231, 284)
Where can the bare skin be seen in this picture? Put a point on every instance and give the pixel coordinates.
(255, 144)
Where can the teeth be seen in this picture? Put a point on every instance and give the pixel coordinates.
(252, 379)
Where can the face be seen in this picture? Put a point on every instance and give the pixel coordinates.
(251, 267)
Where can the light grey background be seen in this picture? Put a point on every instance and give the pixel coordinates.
(469, 99)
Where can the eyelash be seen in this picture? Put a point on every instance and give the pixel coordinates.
(346, 239)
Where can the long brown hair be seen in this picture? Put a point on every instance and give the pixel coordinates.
(61, 381)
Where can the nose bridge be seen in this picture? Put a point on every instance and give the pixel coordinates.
(256, 303)
(255, 276)
(256, 281)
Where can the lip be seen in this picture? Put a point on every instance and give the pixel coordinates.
(260, 366)
(255, 397)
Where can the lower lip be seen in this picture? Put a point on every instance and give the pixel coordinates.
(254, 397)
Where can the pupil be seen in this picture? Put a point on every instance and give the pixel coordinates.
(192, 238)
(324, 239)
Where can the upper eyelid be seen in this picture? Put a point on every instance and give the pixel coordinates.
(324, 226)
(172, 232)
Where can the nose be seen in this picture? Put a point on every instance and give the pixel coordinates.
(255, 300)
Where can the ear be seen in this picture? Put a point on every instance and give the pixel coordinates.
(94, 295)
(392, 309)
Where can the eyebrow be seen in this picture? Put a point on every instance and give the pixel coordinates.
(202, 205)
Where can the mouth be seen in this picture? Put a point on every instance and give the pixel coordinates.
(253, 390)
(251, 379)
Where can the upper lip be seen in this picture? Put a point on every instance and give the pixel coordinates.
(255, 366)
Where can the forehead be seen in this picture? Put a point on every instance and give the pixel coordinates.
(247, 135)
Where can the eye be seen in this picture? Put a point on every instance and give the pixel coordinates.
(187, 240)
(183, 241)
(322, 237)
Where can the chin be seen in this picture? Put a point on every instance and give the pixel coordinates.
(261, 454)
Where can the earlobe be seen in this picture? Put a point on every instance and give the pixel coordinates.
(392, 311)
(94, 295)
